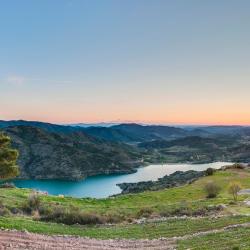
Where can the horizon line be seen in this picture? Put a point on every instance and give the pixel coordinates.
(131, 122)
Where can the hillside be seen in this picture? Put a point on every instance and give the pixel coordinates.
(135, 133)
(198, 149)
(36, 124)
(67, 152)
(72, 155)
(137, 219)
(151, 132)
(190, 141)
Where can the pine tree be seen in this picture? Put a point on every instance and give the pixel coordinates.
(8, 158)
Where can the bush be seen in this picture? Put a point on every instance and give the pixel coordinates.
(7, 185)
(238, 166)
(236, 248)
(212, 189)
(72, 215)
(233, 189)
(187, 210)
(114, 218)
(33, 203)
(184, 208)
(15, 210)
(45, 210)
(4, 211)
(165, 212)
(145, 212)
(210, 171)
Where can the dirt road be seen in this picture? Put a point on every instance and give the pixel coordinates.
(24, 240)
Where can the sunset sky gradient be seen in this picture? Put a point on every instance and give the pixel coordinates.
(160, 61)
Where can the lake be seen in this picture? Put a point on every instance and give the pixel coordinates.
(102, 186)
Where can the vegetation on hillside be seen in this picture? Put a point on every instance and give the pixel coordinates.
(37, 212)
(70, 156)
(67, 152)
(8, 158)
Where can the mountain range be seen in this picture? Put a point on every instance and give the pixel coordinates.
(52, 151)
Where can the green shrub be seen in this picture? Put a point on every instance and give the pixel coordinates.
(210, 171)
(233, 189)
(7, 185)
(15, 210)
(45, 210)
(33, 203)
(186, 209)
(145, 212)
(236, 248)
(114, 218)
(165, 212)
(183, 209)
(4, 211)
(72, 215)
(212, 189)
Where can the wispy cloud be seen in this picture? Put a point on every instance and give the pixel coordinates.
(16, 80)
(49, 81)
(21, 80)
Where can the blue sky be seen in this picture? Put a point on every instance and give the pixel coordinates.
(135, 60)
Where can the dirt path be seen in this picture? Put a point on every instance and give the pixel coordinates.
(13, 240)
(22, 240)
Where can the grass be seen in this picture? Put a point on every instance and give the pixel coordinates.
(229, 239)
(158, 201)
(169, 228)
(130, 205)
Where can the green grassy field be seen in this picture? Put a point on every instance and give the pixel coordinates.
(237, 238)
(129, 206)
(151, 230)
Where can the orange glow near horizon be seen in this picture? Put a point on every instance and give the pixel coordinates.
(160, 62)
(171, 120)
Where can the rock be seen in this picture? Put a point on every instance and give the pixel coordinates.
(247, 203)
(178, 178)
(244, 191)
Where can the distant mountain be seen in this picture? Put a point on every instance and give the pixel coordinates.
(73, 152)
(189, 141)
(47, 126)
(128, 133)
(224, 130)
(72, 155)
(151, 132)
(134, 133)
(87, 125)
(111, 134)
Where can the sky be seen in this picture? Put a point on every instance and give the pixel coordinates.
(151, 61)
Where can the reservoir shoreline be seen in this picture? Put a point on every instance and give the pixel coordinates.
(103, 186)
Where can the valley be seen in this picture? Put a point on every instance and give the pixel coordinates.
(180, 217)
(162, 206)
(50, 151)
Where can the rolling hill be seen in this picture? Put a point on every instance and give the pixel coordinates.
(74, 155)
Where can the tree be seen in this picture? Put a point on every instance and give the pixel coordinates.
(233, 189)
(212, 189)
(210, 171)
(8, 158)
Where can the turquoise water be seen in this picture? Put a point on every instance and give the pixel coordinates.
(102, 186)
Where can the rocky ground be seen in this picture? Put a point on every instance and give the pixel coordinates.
(13, 240)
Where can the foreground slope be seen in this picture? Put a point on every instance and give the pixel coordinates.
(224, 229)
